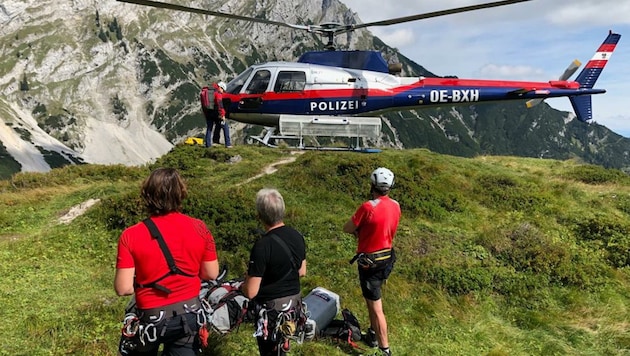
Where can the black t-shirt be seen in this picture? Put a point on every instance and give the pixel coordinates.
(269, 260)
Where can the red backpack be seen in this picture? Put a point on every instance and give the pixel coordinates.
(207, 98)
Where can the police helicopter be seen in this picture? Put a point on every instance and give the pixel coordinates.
(341, 93)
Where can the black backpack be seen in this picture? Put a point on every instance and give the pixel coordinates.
(347, 330)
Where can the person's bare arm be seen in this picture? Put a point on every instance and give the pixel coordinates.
(302, 271)
(251, 286)
(123, 281)
(209, 270)
(349, 227)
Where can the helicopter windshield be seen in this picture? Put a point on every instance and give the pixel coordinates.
(235, 85)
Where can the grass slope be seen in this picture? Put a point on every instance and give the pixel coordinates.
(496, 255)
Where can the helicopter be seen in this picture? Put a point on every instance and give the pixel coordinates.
(342, 93)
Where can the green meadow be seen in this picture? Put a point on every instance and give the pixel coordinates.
(496, 255)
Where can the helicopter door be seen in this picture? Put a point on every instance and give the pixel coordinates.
(257, 85)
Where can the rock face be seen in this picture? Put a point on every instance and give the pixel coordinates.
(110, 82)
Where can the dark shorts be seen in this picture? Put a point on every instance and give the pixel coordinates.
(372, 280)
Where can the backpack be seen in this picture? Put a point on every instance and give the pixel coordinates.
(207, 98)
(347, 330)
(226, 306)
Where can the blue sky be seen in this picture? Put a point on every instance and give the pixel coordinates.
(534, 40)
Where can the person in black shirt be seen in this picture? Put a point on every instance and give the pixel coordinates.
(277, 261)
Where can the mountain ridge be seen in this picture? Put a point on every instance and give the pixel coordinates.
(117, 83)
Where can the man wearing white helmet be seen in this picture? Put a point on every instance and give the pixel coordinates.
(374, 224)
(214, 113)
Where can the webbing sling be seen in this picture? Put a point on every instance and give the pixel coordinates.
(172, 267)
(286, 249)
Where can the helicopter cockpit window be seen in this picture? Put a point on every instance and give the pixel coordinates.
(259, 82)
(236, 84)
(290, 82)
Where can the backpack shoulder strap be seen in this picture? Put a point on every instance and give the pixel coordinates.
(172, 267)
(156, 234)
(294, 266)
(287, 250)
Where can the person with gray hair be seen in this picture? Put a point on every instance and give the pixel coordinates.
(270, 206)
(277, 261)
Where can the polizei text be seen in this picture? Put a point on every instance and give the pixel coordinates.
(336, 105)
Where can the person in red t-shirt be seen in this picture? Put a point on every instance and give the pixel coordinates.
(167, 300)
(216, 116)
(374, 224)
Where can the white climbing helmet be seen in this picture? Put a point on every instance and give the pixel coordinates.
(222, 85)
(382, 179)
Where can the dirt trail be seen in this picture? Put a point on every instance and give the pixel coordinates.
(81, 208)
(272, 167)
(77, 211)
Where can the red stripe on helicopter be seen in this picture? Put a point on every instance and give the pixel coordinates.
(446, 83)
(606, 47)
(595, 64)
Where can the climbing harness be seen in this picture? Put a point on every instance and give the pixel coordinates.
(373, 260)
(282, 320)
(144, 327)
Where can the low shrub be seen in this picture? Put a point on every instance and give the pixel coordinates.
(509, 193)
(605, 232)
(592, 174)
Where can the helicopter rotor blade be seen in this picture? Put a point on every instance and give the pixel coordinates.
(429, 15)
(573, 66)
(570, 70)
(329, 30)
(164, 5)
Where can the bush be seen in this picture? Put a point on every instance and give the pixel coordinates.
(459, 280)
(232, 220)
(122, 211)
(71, 174)
(509, 193)
(592, 174)
(611, 235)
(527, 250)
(520, 289)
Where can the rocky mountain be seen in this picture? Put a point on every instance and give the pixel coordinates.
(86, 81)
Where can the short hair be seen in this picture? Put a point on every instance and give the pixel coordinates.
(163, 191)
(270, 206)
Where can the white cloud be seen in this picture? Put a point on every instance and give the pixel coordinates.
(533, 40)
(590, 12)
(518, 72)
(398, 38)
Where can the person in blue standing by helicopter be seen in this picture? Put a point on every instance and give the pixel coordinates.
(215, 115)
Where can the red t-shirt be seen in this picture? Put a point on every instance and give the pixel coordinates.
(218, 103)
(376, 221)
(190, 243)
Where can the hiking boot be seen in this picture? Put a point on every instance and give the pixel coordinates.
(386, 351)
(370, 338)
